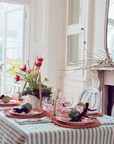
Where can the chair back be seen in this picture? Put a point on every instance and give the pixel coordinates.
(92, 92)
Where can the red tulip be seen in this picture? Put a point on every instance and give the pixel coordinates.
(30, 70)
(23, 68)
(40, 59)
(38, 64)
(17, 78)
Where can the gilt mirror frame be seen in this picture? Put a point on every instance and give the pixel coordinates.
(105, 30)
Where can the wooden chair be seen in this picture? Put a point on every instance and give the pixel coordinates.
(92, 91)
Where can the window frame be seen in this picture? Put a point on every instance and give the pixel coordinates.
(26, 25)
(81, 28)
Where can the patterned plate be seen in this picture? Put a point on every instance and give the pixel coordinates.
(12, 102)
(93, 124)
(66, 119)
(92, 112)
(33, 112)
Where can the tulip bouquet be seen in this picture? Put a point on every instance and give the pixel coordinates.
(31, 79)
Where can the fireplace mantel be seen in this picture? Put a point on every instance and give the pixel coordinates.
(104, 69)
(107, 74)
(102, 78)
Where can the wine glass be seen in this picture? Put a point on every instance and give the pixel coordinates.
(68, 103)
(8, 90)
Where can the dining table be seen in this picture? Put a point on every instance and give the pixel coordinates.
(12, 132)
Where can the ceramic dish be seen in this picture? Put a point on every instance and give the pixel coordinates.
(92, 112)
(31, 113)
(12, 102)
(66, 119)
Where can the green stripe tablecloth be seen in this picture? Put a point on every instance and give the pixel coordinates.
(49, 133)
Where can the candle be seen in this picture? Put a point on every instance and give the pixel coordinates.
(55, 92)
(55, 100)
(40, 89)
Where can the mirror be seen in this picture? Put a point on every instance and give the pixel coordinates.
(109, 29)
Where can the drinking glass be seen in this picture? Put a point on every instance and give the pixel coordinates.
(50, 110)
(8, 90)
(68, 104)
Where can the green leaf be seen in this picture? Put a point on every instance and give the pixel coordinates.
(28, 88)
(34, 64)
(24, 92)
(37, 86)
(20, 74)
(24, 85)
(27, 72)
(29, 65)
(43, 86)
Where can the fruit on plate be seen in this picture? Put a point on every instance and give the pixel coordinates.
(80, 107)
(74, 113)
(82, 104)
(27, 107)
(5, 99)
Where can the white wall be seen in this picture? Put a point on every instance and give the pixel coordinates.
(47, 37)
(56, 41)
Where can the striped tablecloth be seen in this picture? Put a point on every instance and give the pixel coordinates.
(49, 133)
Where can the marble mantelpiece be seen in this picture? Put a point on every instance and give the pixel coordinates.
(102, 78)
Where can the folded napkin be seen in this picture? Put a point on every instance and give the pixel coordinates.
(3, 108)
(33, 121)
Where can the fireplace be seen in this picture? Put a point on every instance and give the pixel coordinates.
(110, 100)
(104, 80)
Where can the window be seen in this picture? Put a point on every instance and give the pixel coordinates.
(12, 43)
(75, 32)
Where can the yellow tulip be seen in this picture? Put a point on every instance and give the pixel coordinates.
(13, 72)
(10, 61)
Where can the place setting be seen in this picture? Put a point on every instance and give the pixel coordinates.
(90, 112)
(76, 117)
(7, 101)
(25, 114)
(79, 116)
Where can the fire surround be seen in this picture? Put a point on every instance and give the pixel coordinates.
(102, 78)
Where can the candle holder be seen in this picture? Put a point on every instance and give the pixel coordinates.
(56, 96)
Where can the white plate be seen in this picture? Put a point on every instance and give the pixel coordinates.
(33, 112)
(11, 102)
(66, 119)
(92, 112)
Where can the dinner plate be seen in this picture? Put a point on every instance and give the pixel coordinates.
(33, 112)
(67, 104)
(11, 102)
(66, 119)
(92, 112)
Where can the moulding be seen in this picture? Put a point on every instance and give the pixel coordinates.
(16, 1)
(74, 78)
(103, 68)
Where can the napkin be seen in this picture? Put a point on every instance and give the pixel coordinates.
(3, 108)
(33, 121)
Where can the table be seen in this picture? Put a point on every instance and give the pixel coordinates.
(49, 133)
